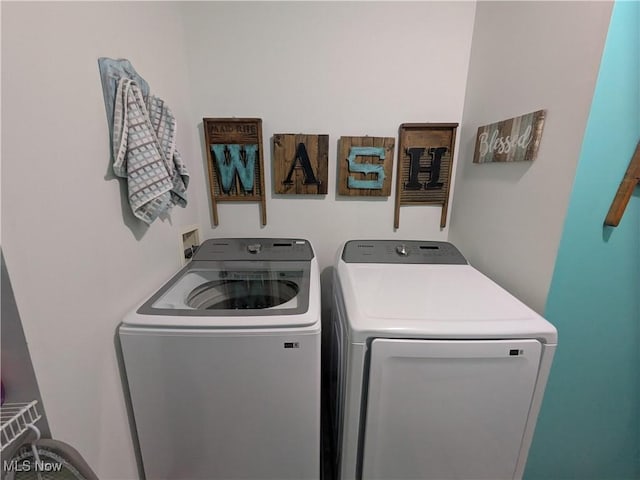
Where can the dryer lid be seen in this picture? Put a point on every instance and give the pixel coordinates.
(435, 301)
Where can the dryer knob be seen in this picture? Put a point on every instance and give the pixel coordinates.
(402, 250)
(254, 248)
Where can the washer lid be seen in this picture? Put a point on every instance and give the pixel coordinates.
(434, 301)
(235, 294)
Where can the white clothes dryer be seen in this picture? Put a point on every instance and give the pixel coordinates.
(223, 365)
(437, 372)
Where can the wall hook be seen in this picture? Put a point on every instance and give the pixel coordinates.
(625, 190)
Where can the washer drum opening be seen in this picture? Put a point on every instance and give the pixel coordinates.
(241, 294)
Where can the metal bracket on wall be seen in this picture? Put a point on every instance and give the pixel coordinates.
(625, 190)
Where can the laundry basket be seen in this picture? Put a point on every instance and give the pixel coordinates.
(55, 460)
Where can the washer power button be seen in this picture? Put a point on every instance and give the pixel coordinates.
(254, 248)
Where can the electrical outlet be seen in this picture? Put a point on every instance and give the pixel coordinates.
(188, 241)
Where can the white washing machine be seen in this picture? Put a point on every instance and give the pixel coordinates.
(437, 372)
(223, 365)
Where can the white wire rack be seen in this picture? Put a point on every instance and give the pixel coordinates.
(15, 420)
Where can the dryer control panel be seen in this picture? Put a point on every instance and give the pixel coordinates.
(402, 251)
(271, 249)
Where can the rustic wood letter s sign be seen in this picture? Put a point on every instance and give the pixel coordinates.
(365, 166)
(234, 154)
(512, 140)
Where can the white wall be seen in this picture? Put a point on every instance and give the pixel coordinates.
(526, 56)
(77, 258)
(343, 69)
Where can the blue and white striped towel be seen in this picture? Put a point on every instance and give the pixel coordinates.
(144, 150)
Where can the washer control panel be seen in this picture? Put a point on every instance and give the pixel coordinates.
(402, 251)
(268, 249)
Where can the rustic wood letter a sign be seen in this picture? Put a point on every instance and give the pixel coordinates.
(300, 163)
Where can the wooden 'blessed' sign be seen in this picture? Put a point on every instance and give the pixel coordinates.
(234, 153)
(425, 159)
(513, 140)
